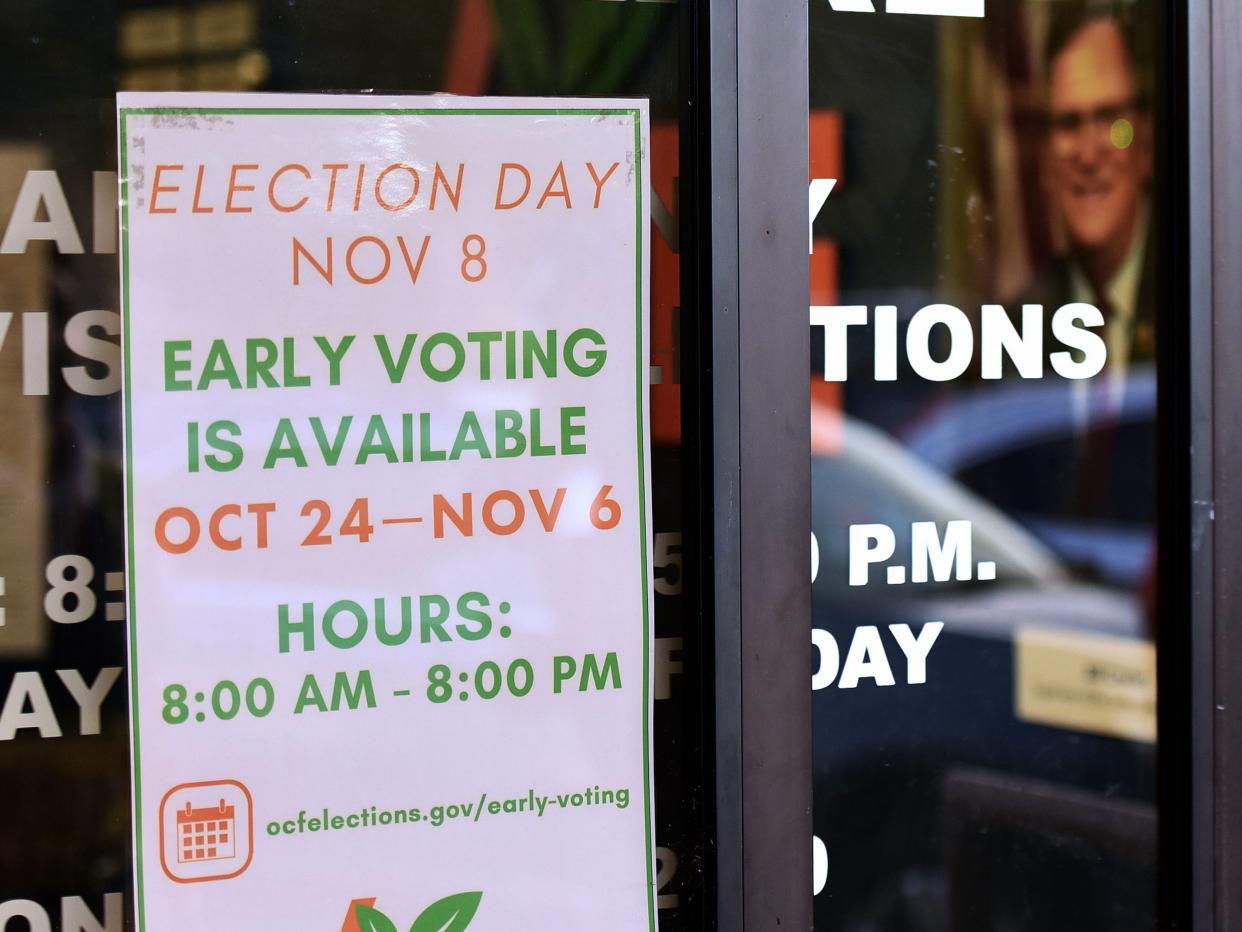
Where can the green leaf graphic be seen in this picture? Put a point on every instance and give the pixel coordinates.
(372, 920)
(451, 914)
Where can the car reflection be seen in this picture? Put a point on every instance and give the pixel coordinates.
(1068, 461)
(922, 788)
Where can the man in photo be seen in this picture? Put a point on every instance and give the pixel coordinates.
(1098, 170)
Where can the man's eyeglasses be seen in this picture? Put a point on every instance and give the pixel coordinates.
(1068, 126)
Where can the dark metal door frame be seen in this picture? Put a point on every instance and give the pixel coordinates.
(1195, 780)
(1215, 233)
(747, 347)
(753, 352)
(1201, 645)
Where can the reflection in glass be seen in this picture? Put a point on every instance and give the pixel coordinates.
(1006, 777)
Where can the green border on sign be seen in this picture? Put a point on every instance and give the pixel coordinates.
(639, 386)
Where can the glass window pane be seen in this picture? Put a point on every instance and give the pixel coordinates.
(63, 772)
(984, 336)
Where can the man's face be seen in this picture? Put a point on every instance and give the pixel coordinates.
(1100, 140)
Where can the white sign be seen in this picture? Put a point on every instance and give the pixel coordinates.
(388, 510)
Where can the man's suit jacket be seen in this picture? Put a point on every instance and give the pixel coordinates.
(1053, 287)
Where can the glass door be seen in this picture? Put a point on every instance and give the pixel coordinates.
(992, 330)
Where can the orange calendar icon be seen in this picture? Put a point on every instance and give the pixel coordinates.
(206, 831)
(206, 834)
